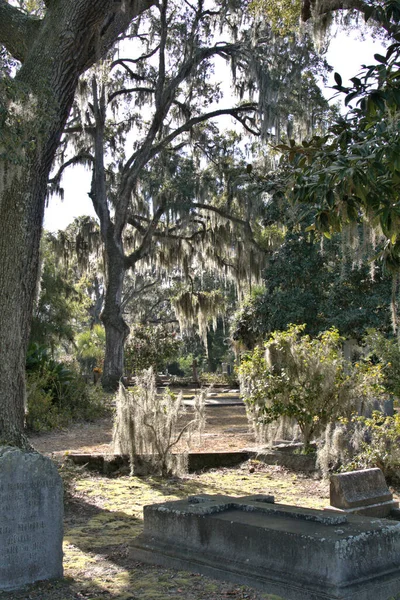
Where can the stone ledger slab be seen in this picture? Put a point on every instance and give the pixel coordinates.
(297, 554)
(31, 519)
(362, 492)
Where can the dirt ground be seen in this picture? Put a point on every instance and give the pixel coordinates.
(226, 430)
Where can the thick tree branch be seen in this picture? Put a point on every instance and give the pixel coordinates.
(233, 112)
(165, 96)
(115, 23)
(312, 9)
(98, 192)
(169, 233)
(226, 215)
(129, 91)
(161, 62)
(123, 61)
(17, 30)
(140, 252)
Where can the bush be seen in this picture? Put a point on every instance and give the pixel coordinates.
(219, 379)
(57, 394)
(387, 352)
(305, 379)
(91, 345)
(362, 443)
(150, 347)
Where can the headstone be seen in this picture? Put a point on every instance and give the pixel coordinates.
(295, 553)
(384, 406)
(361, 492)
(31, 519)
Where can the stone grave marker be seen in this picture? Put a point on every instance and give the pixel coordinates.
(294, 553)
(361, 492)
(31, 519)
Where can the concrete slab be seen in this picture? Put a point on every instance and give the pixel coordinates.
(297, 554)
(362, 492)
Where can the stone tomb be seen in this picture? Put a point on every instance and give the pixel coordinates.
(361, 492)
(31, 515)
(295, 553)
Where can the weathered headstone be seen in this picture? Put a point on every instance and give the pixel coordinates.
(295, 553)
(361, 492)
(31, 519)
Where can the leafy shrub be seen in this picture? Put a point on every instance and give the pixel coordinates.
(387, 352)
(91, 345)
(379, 445)
(150, 346)
(182, 367)
(361, 443)
(219, 379)
(42, 414)
(57, 394)
(305, 379)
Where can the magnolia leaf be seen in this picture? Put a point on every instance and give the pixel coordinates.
(338, 79)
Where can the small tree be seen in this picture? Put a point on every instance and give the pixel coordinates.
(150, 346)
(305, 379)
(90, 348)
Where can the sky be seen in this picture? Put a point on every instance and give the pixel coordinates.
(346, 54)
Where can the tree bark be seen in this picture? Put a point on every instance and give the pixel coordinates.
(115, 326)
(55, 52)
(314, 9)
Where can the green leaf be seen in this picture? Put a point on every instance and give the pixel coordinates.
(338, 78)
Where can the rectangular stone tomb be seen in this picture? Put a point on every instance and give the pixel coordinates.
(31, 519)
(295, 553)
(363, 492)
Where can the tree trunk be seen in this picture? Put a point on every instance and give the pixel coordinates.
(71, 37)
(116, 329)
(20, 204)
(307, 431)
(40, 111)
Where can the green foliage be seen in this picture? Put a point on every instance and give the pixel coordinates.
(218, 379)
(354, 170)
(150, 346)
(61, 303)
(284, 15)
(56, 393)
(380, 445)
(305, 379)
(42, 414)
(329, 287)
(182, 367)
(90, 346)
(387, 351)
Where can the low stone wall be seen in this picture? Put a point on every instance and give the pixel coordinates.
(197, 461)
(290, 457)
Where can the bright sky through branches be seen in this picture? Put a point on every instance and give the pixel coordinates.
(346, 54)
